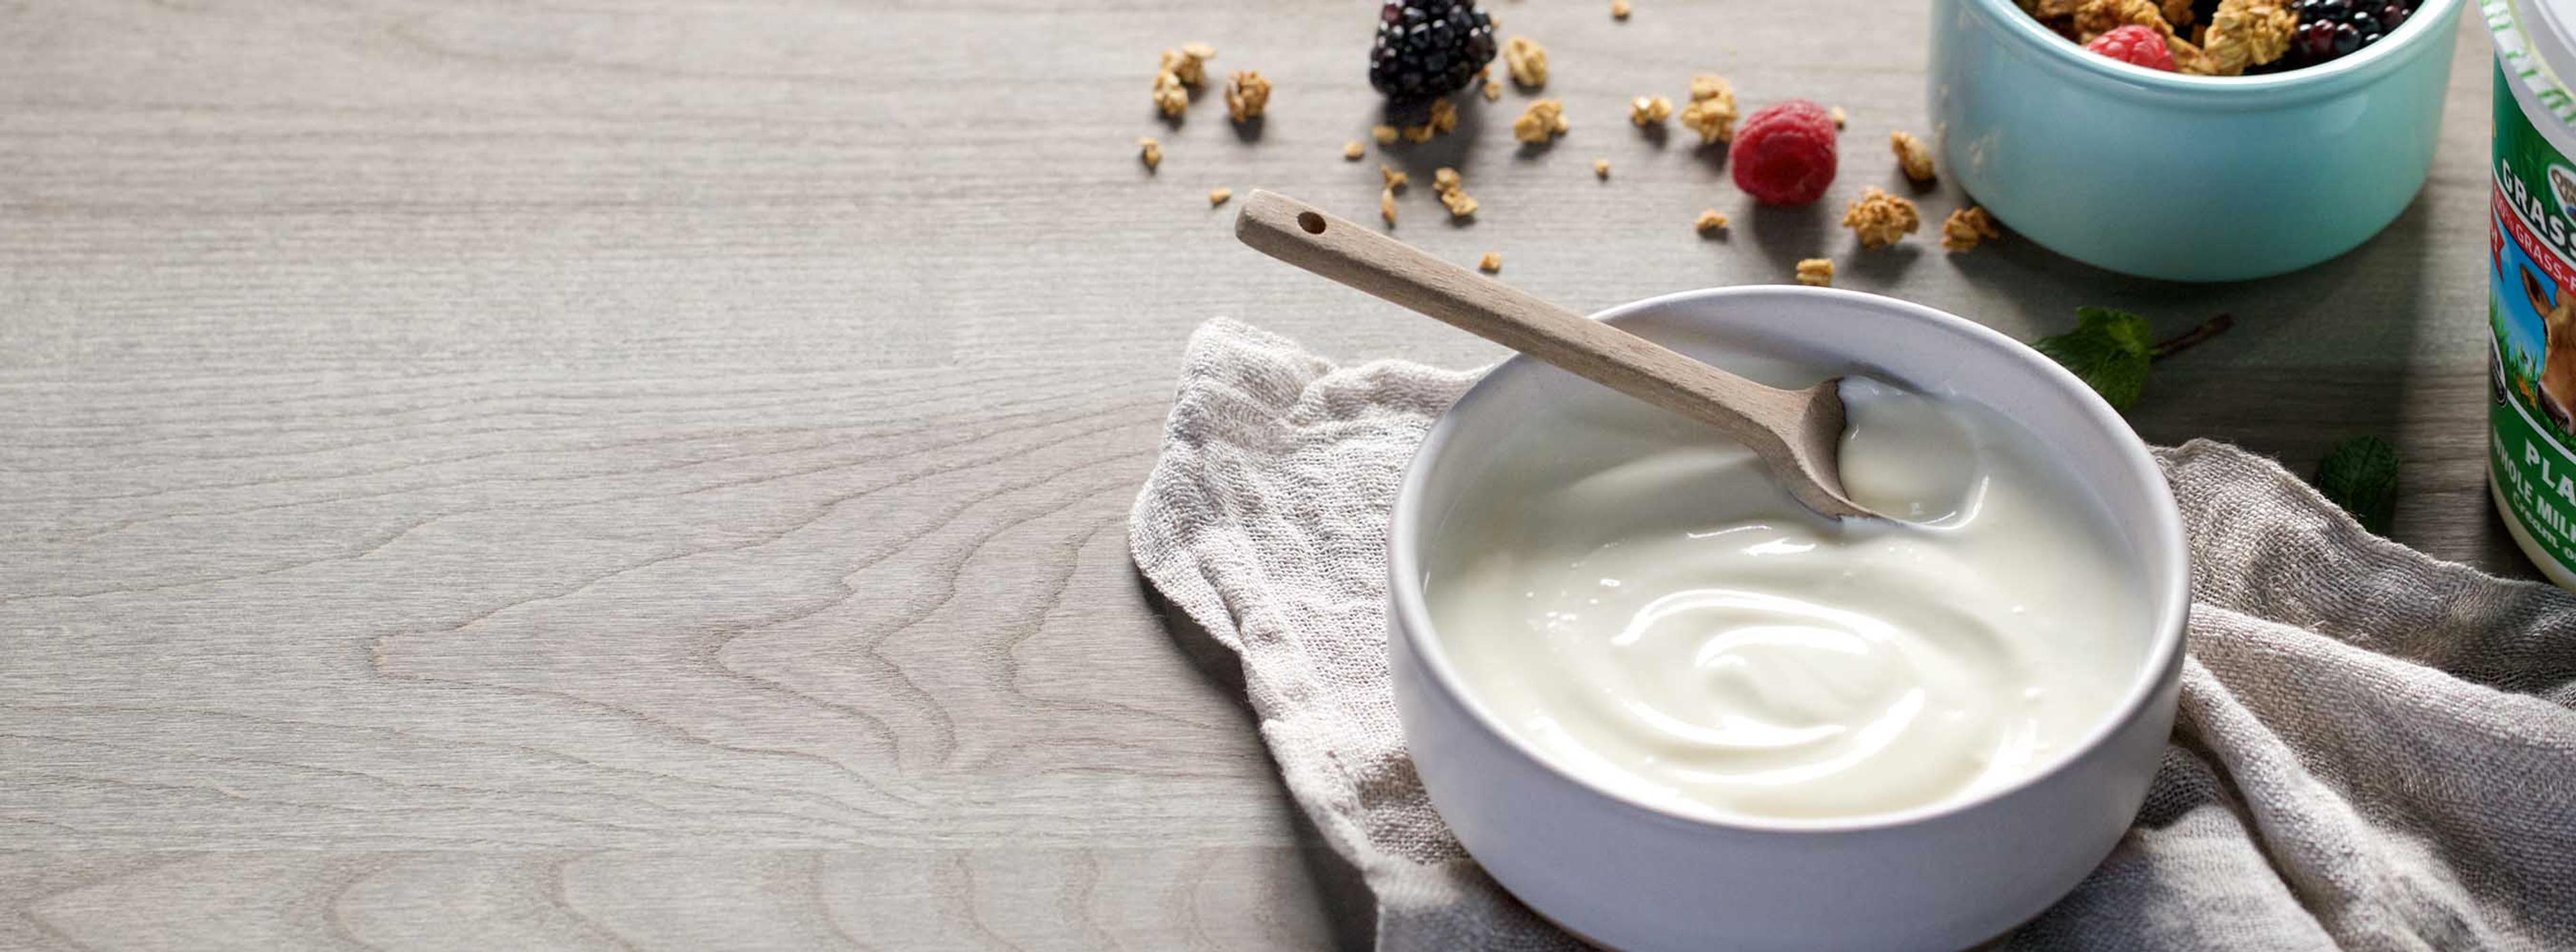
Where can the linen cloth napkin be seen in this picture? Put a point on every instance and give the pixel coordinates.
(2375, 749)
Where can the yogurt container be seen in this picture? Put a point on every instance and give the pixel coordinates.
(2531, 289)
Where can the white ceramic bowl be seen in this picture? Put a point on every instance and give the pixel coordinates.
(1636, 876)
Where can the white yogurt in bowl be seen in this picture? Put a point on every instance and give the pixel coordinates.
(1645, 605)
(1668, 708)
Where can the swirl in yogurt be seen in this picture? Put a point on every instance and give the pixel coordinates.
(1645, 606)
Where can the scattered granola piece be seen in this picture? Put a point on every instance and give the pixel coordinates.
(1912, 154)
(1353, 150)
(1493, 90)
(1217, 196)
(1385, 135)
(1966, 227)
(1386, 205)
(1247, 94)
(1711, 112)
(1492, 262)
(1601, 168)
(1169, 95)
(1526, 61)
(1444, 116)
(1840, 117)
(2242, 33)
(1418, 134)
(1816, 271)
(1649, 110)
(1619, 9)
(1710, 222)
(1394, 179)
(1444, 179)
(1881, 219)
(1542, 121)
(1150, 150)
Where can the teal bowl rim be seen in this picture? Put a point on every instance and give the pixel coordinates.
(2063, 57)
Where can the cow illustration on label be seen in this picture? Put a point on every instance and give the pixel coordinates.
(2558, 351)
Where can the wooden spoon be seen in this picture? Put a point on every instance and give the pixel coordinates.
(1797, 432)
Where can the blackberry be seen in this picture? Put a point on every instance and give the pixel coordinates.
(1428, 48)
(2332, 29)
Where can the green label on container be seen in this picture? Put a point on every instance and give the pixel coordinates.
(2531, 307)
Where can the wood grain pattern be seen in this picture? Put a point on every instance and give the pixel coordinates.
(652, 475)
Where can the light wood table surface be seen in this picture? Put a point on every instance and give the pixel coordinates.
(653, 475)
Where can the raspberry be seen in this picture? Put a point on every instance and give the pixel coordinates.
(1784, 154)
(2137, 45)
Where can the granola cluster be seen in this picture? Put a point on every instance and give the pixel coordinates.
(1542, 121)
(1966, 227)
(1711, 112)
(1179, 72)
(1881, 219)
(2242, 33)
(1816, 271)
(1246, 95)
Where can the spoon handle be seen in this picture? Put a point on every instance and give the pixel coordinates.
(1758, 416)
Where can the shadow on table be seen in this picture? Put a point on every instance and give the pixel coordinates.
(1350, 908)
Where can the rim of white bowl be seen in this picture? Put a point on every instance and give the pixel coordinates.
(2164, 529)
(2221, 91)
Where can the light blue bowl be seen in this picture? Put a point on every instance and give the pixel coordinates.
(2188, 178)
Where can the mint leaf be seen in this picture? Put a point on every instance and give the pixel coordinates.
(2361, 476)
(2109, 350)
(2129, 329)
